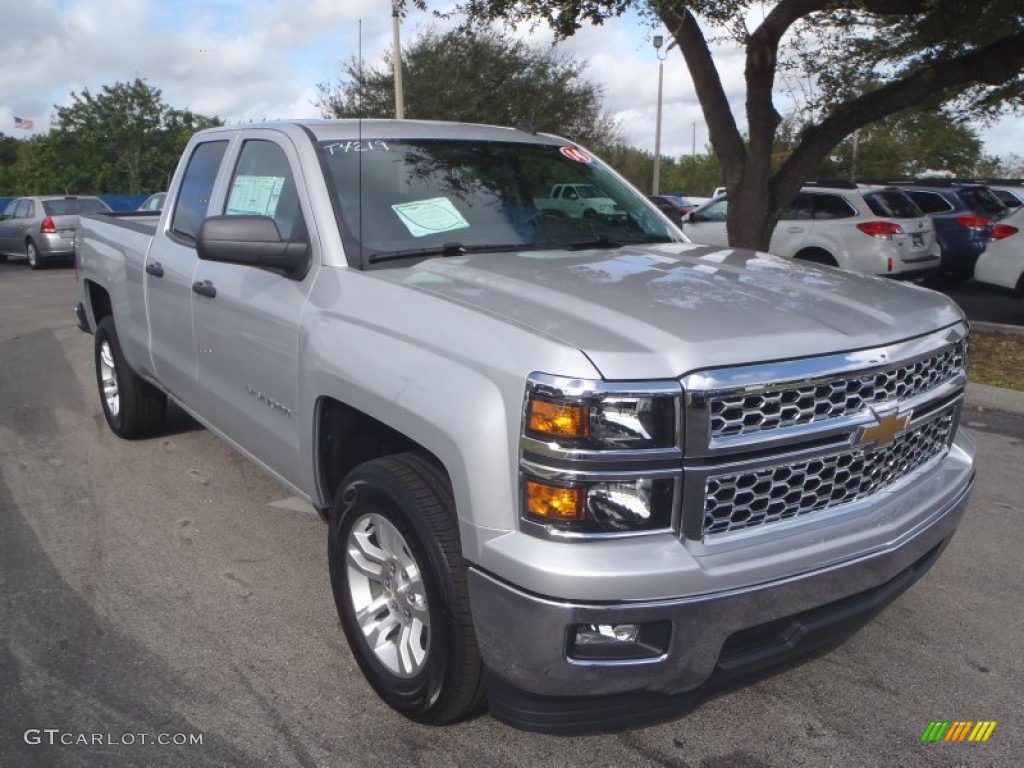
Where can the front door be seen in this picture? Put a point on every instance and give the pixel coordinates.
(247, 324)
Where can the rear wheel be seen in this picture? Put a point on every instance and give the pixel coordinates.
(32, 255)
(399, 583)
(132, 406)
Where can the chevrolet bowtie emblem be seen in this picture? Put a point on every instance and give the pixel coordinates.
(884, 430)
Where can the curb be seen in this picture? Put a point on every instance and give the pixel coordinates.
(1010, 330)
(995, 398)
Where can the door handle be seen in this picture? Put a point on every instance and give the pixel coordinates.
(204, 288)
(155, 269)
(794, 229)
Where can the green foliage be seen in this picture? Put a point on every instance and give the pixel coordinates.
(906, 144)
(687, 175)
(848, 64)
(122, 139)
(481, 76)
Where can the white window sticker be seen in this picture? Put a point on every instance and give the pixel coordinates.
(430, 217)
(255, 195)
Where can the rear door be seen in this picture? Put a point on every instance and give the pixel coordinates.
(794, 225)
(10, 234)
(247, 321)
(170, 265)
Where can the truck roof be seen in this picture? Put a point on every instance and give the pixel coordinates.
(352, 129)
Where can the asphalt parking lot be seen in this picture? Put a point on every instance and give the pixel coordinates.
(167, 587)
(983, 303)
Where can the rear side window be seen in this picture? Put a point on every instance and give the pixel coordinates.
(10, 209)
(893, 204)
(263, 185)
(832, 207)
(196, 188)
(930, 202)
(73, 206)
(981, 200)
(1008, 198)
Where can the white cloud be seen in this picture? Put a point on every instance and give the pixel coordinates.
(266, 58)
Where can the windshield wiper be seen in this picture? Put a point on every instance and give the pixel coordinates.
(448, 249)
(603, 241)
(458, 249)
(452, 249)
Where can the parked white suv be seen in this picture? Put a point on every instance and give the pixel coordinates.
(1002, 261)
(871, 229)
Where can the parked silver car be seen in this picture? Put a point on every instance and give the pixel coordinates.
(43, 228)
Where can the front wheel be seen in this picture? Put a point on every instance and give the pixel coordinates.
(399, 584)
(132, 406)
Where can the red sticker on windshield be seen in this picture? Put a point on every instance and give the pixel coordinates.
(576, 154)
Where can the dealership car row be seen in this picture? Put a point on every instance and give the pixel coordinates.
(898, 229)
(903, 229)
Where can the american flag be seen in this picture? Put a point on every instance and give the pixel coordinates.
(23, 123)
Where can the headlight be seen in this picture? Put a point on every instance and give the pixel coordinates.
(616, 506)
(599, 457)
(602, 420)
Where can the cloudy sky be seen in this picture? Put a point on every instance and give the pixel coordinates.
(262, 60)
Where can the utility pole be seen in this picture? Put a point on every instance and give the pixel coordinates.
(397, 56)
(658, 41)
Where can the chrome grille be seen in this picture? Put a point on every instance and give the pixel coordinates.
(756, 497)
(739, 413)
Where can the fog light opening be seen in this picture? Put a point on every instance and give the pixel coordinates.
(619, 642)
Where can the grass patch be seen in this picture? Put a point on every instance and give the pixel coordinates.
(997, 359)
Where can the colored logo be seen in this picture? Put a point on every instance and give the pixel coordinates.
(958, 730)
(576, 154)
(884, 430)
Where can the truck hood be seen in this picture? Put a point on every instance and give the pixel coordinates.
(662, 311)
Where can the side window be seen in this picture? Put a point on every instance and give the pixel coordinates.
(196, 188)
(716, 211)
(263, 184)
(798, 210)
(9, 210)
(22, 210)
(832, 207)
(30, 209)
(930, 202)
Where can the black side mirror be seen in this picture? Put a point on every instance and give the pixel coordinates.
(252, 241)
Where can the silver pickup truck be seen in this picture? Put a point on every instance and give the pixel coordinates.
(579, 465)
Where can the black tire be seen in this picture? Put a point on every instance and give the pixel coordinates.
(141, 406)
(414, 496)
(818, 256)
(32, 256)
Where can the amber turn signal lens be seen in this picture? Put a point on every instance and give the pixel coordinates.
(549, 502)
(558, 419)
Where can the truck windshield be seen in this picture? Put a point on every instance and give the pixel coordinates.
(423, 197)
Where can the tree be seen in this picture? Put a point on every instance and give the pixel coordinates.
(864, 60)
(903, 145)
(124, 139)
(477, 75)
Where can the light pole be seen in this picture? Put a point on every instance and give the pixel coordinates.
(399, 95)
(658, 41)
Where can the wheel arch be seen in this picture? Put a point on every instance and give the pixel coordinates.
(346, 437)
(98, 300)
(817, 255)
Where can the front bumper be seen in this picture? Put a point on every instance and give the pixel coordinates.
(524, 638)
